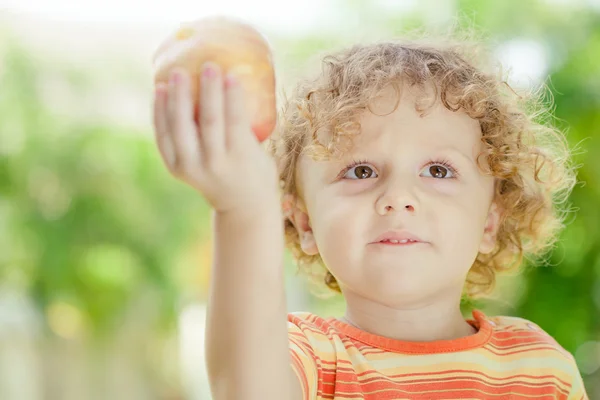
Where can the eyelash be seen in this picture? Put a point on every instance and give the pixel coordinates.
(443, 162)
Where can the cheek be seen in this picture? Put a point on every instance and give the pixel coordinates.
(339, 230)
(461, 224)
(336, 224)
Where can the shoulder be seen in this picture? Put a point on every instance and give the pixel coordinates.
(302, 317)
(520, 327)
(522, 341)
(313, 338)
(314, 331)
(309, 324)
(515, 335)
(509, 323)
(513, 324)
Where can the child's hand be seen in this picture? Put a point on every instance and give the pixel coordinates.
(219, 155)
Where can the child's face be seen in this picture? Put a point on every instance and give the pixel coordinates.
(393, 188)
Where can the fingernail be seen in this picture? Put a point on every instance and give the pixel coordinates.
(209, 71)
(175, 77)
(230, 80)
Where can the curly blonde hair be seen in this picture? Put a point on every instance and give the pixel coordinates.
(529, 158)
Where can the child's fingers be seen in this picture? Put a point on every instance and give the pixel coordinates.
(237, 128)
(212, 140)
(181, 122)
(161, 126)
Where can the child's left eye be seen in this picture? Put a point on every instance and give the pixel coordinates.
(440, 170)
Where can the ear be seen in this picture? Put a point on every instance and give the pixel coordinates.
(295, 210)
(488, 241)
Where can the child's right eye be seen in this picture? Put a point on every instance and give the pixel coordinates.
(360, 171)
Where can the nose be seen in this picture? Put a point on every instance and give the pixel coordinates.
(410, 208)
(397, 198)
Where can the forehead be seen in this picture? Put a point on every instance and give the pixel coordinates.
(415, 115)
(411, 116)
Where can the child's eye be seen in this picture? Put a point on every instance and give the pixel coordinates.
(359, 170)
(440, 170)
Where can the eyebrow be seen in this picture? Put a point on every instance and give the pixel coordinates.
(458, 153)
(348, 157)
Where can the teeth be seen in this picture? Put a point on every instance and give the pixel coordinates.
(398, 241)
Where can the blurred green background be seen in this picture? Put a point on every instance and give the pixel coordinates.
(104, 258)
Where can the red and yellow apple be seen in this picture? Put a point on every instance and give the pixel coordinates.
(237, 48)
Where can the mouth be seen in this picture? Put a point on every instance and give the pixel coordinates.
(398, 238)
(398, 243)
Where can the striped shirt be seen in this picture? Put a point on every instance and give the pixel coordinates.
(508, 358)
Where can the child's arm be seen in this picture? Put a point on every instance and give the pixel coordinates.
(247, 342)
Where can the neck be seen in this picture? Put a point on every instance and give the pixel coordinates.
(425, 322)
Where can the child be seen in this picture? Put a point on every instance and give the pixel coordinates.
(413, 177)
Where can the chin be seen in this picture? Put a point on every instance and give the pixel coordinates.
(393, 288)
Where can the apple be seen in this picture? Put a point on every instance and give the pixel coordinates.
(237, 48)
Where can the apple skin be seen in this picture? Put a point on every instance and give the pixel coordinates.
(237, 48)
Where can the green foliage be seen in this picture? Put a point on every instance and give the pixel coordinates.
(92, 215)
